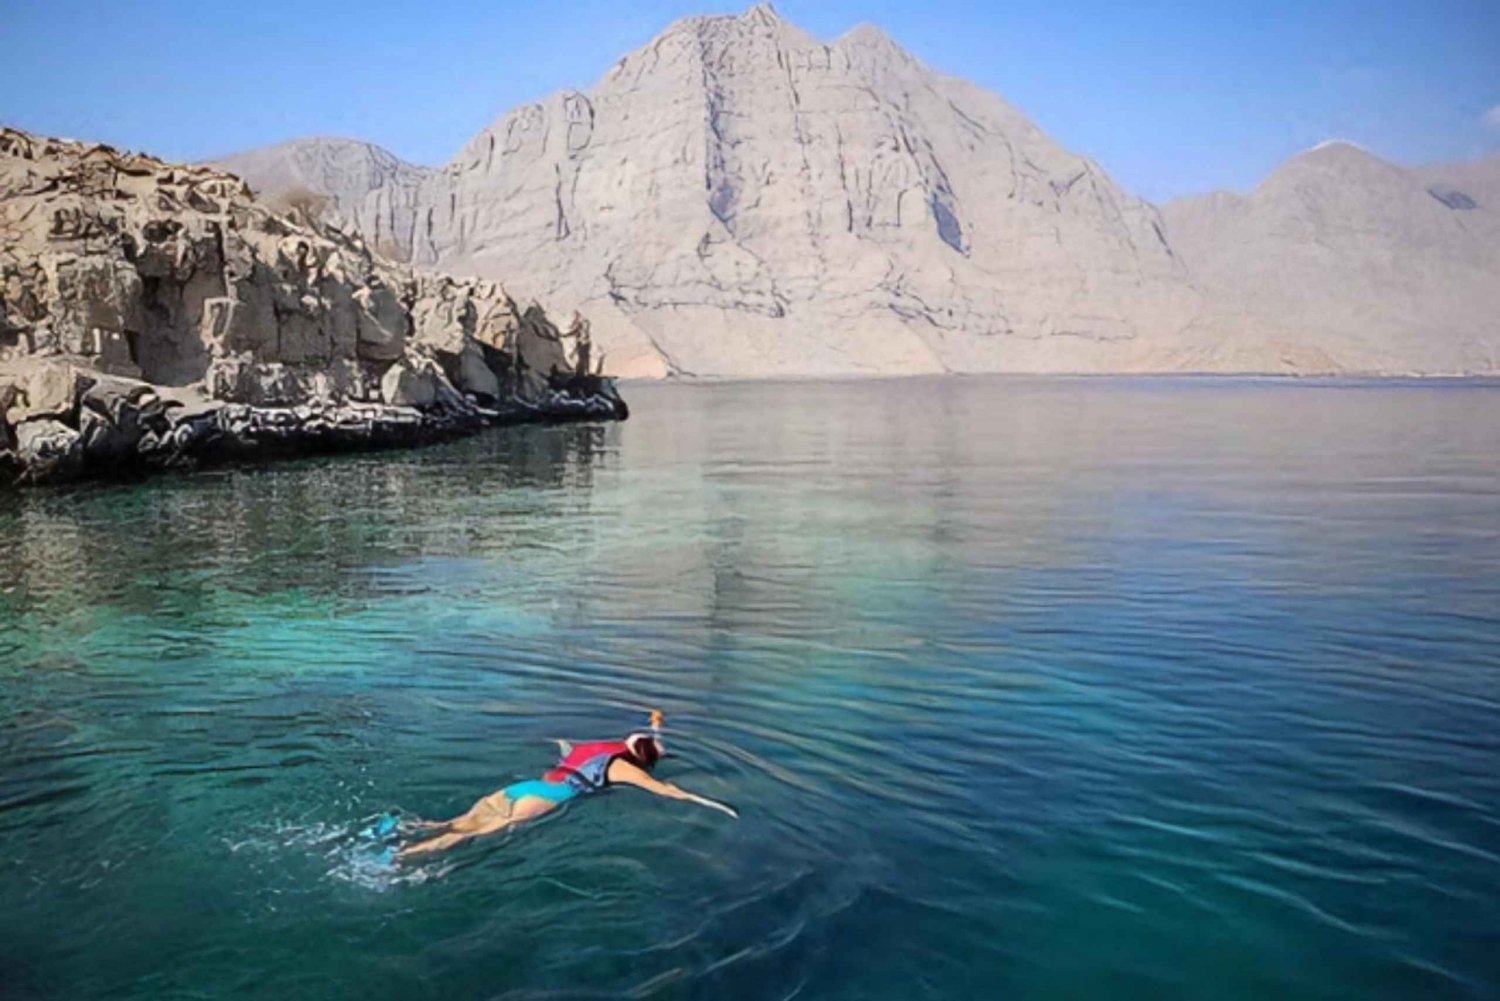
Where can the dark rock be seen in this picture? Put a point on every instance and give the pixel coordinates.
(1454, 199)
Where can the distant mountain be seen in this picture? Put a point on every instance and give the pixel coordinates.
(344, 171)
(1340, 261)
(739, 199)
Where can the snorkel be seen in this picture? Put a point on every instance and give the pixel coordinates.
(654, 736)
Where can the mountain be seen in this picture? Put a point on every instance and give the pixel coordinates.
(343, 171)
(1340, 261)
(737, 198)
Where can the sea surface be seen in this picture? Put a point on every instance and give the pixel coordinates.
(1024, 689)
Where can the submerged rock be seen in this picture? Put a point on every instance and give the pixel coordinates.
(154, 314)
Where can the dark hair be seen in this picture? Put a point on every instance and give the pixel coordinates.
(642, 749)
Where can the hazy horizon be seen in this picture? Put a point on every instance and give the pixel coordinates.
(1169, 102)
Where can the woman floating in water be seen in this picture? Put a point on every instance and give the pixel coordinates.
(584, 769)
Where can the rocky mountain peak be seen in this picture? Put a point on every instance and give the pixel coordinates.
(331, 177)
(869, 36)
(738, 198)
(328, 165)
(1334, 159)
(1344, 180)
(758, 22)
(761, 13)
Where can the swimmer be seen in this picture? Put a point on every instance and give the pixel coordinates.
(582, 770)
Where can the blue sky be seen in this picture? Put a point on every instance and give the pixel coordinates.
(1171, 98)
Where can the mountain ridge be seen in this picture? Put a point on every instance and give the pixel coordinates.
(738, 198)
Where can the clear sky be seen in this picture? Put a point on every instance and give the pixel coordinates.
(1171, 98)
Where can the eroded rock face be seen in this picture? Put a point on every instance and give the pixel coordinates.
(120, 265)
(738, 198)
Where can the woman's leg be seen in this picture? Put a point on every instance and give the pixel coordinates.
(491, 814)
(496, 805)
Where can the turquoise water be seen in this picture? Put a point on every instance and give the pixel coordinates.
(1024, 689)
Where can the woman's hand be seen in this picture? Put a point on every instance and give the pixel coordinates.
(710, 803)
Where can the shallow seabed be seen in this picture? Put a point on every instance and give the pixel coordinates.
(1024, 688)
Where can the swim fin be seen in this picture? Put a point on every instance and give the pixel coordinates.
(384, 826)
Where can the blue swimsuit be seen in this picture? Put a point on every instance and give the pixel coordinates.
(557, 792)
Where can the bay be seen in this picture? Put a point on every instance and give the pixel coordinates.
(1027, 688)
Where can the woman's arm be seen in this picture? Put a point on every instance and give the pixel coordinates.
(624, 773)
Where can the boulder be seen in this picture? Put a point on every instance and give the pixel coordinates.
(111, 395)
(447, 397)
(381, 323)
(101, 439)
(443, 317)
(46, 389)
(46, 447)
(475, 375)
(402, 386)
(539, 345)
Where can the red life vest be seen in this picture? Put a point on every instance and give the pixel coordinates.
(586, 766)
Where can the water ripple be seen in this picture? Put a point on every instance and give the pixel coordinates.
(1029, 688)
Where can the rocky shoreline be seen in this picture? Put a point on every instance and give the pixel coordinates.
(157, 316)
(112, 428)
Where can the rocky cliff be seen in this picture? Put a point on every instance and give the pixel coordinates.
(153, 314)
(739, 198)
